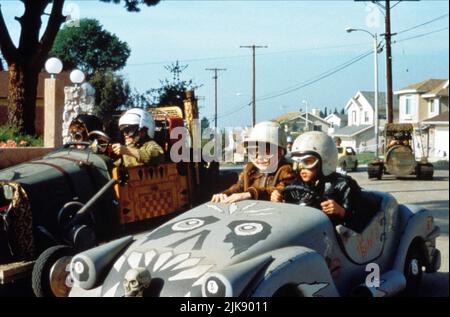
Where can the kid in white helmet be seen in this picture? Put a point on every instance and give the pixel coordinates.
(138, 128)
(267, 171)
(314, 156)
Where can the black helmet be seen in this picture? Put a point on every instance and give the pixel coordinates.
(89, 122)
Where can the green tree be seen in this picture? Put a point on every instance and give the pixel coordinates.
(342, 111)
(26, 60)
(1, 64)
(111, 93)
(172, 92)
(204, 123)
(90, 48)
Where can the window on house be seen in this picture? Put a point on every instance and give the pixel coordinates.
(354, 116)
(431, 106)
(317, 128)
(408, 105)
(366, 116)
(435, 105)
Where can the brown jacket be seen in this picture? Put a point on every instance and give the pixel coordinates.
(261, 185)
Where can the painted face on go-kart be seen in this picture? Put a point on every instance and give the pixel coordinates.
(264, 156)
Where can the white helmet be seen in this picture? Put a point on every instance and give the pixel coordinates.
(268, 132)
(319, 144)
(139, 117)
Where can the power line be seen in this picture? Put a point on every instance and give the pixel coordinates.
(422, 24)
(296, 85)
(320, 76)
(308, 82)
(421, 35)
(244, 56)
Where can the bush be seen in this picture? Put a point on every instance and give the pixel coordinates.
(10, 138)
(365, 157)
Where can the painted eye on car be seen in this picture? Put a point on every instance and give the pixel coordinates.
(248, 229)
(188, 224)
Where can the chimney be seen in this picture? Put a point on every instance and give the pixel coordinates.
(315, 112)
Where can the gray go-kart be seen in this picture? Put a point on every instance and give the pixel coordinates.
(256, 248)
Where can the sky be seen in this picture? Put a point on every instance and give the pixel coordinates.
(305, 40)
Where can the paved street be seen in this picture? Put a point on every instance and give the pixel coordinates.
(433, 195)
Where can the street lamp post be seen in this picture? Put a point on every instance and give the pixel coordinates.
(375, 62)
(306, 106)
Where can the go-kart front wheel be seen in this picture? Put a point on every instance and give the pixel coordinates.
(49, 276)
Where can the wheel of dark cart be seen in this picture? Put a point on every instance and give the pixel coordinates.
(50, 274)
(413, 268)
(419, 171)
(355, 168)
(344, 166)
(380, 172)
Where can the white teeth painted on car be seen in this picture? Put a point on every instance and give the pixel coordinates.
(134, 258)
(112, 291)
(149, 255)
(188, 294)
(257, 211)
(161, 260)
(194, 272)
(233, 207)
(215, 208)
(118, 265)
(186, 264)
(200, 281)
(177, 259)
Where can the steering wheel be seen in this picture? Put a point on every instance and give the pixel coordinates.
(100, 141)
(309, 197)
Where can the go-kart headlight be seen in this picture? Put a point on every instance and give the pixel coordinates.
(8, 192)
(216, 285)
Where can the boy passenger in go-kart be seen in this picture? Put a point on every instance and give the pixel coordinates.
(314, 155)
(138, 129)
(267, 171)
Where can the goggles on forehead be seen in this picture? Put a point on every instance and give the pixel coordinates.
(128, 130)
(306, 161)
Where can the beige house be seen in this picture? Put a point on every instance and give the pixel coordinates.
(294, 123)
(359, 132)
(425, 105)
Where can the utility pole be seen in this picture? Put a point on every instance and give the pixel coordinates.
(215, 70)
(387, 37)
(253, 47)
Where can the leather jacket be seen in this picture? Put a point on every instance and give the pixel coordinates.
(261, 185)
(359, 205)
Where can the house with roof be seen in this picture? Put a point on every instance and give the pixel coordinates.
(359, 132)
(294, 123)
(425, 106)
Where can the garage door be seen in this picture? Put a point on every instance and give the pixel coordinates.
(441, 142)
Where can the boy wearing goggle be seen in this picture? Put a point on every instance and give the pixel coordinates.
(138, 127)
(267, 169)
(318, 185)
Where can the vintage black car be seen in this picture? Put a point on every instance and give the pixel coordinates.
(75, 198)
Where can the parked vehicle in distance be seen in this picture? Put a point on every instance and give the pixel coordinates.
(399, 156)
(347, 159)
